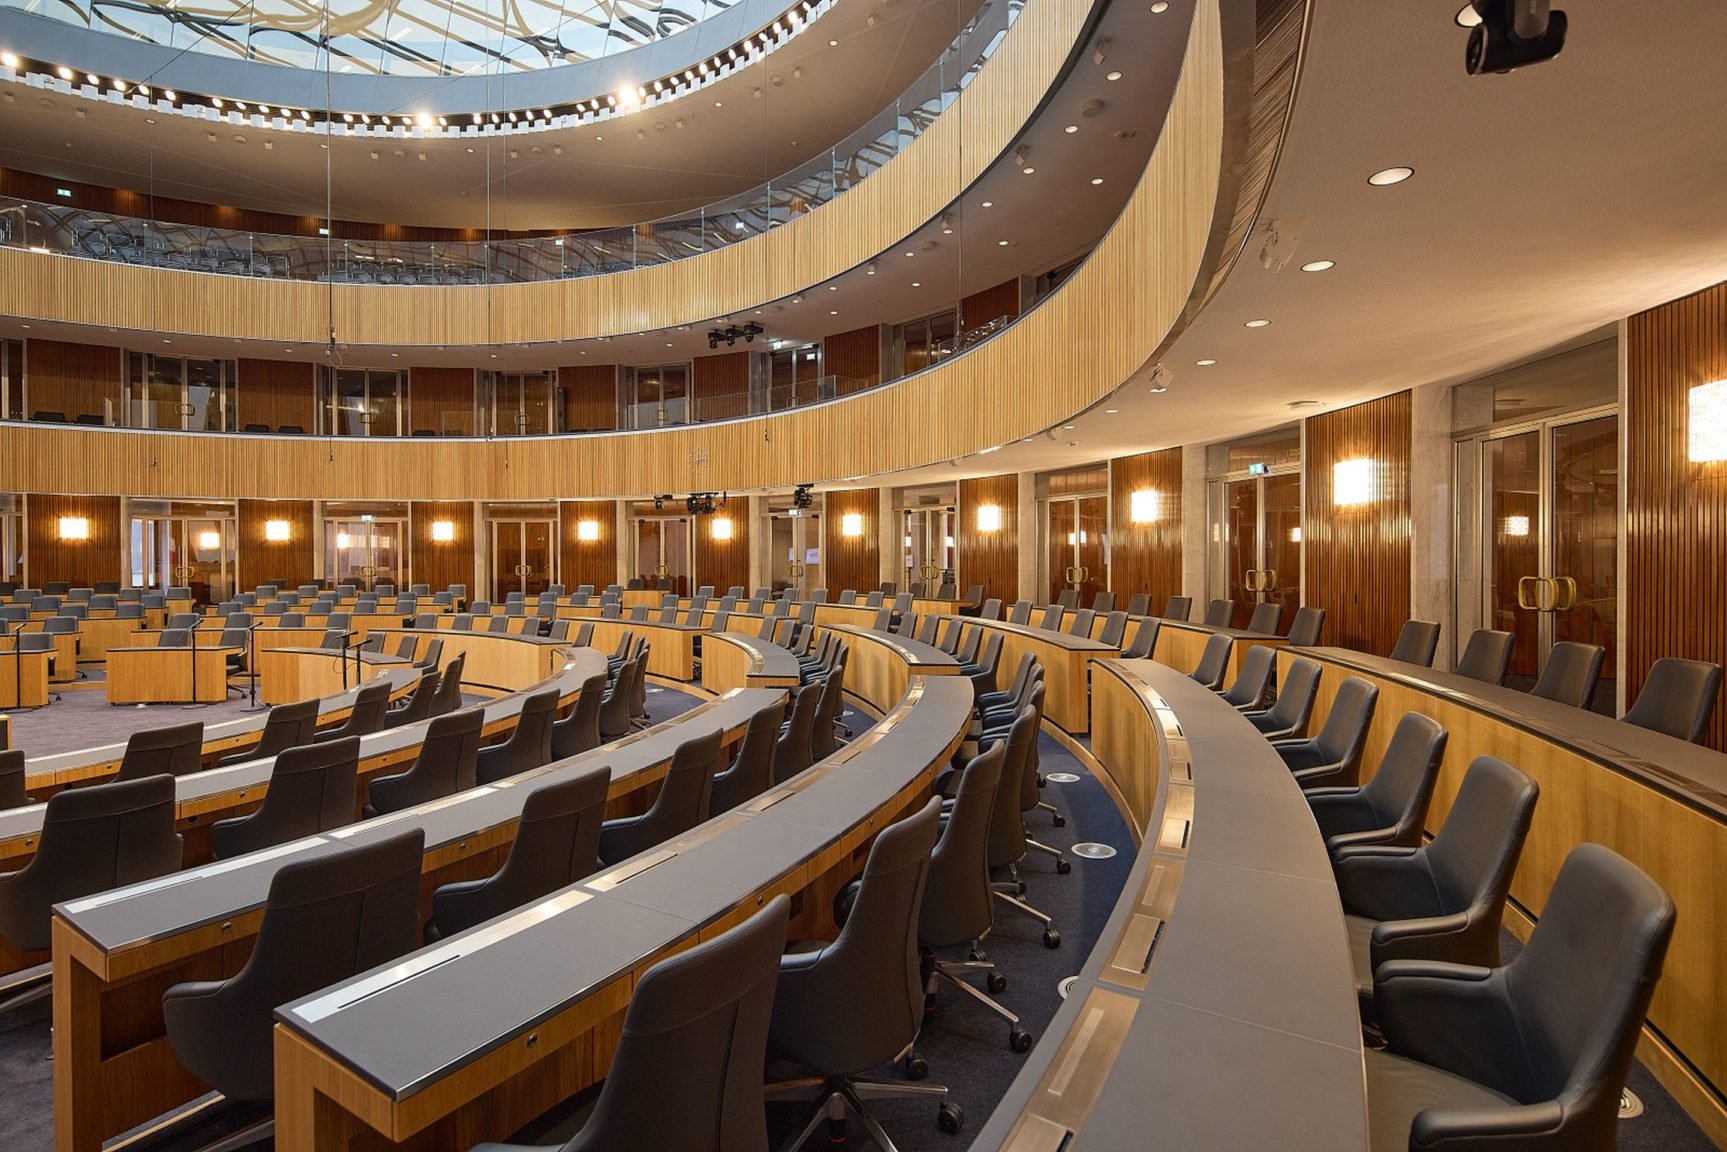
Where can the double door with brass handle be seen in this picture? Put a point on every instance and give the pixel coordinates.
(1076, 546)
(1256, 544)
(523, 555)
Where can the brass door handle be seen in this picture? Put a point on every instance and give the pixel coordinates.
(1268, 579)
(1253, 580)
(1569, 600)
(1524, 583)
(662, 570)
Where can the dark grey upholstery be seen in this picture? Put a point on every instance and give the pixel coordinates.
(1021, 613)
(287, 726)
(1253, 683)
(1417, 643)
(830, 703)
(1333, 757)
(1080, 625)
(326, 919)
(449, 697)
(1304, 629)
(1571, 673)
(1068, 599)
(175, 750)
(418, 706)
(1266, 619)
(1218, 613)
(1677, 698)
(1391, 808)
(615, 704)
(958, 906)
(12, 791)
(312, 790)
(529, 745)
(682, 802)
(793, 752)
(93, 839)
(1144, 639)
(1294, 707)
(1443, 900)
(1051, 619)
(444, 766)
(1486, 656)
(1010, 696)
(580, 731)
(752, 769)
(1551, 1034)
(371, 704)
(1214, 661)
(557, 843)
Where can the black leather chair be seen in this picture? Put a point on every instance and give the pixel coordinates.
(444, 766)
(1486, 656)
(1219, 613)
(529, 745)
(1213, 661)
(1391, 808)
(1068, 598)
(752, 769)
(580, 731)
(449, 697)
(846, 1008)
(418, 706)
(1144, 639)
(1443, 900)
(1333, 757)
(1020, 613)
(93, 840)
(12, 791)
(682, 802)
(368, 714)
(1677, 698)
(830, 704)
(1081, 623)
(1253, 683)
(326, 919)
(311, 790)
(557, 844)
(1266, 619)
(1533, 1055)
(615, 704)
(1571, 673)
(1417, 643)
(1114, 629)
(1288, 717)
(1009, 697)
(686, 1073)
(1008, 841)
(176, 750)
(794, 751)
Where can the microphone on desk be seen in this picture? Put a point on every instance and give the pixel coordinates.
(252, 665)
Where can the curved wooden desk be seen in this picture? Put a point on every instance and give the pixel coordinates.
(730, 660)
(288, 674)
(1066, 661)
(881, 666)
(191, 675)
(114, 953)
(1180, 644)
(498, 663)
(1217, 1010)
(1659, 802)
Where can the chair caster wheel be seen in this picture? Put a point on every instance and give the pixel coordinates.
(1051, 938)
(997, 983)
(916, 1067)
(1020, 887)
(1019, 1040)
(950, 1119)
(1063, 867)
(1059, 820)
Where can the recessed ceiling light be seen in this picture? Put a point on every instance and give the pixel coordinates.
(989, 203)
(1318, 265)
(911, 253)
(1113, 76)
(1111, 411)
(915, 284)
(1071, 128)
(833, 287)
(833, 43)
(1205, 363)
(1028, 170)
(1160, 7)
(1067, 427)
(1002, 243)
(719, 104)
(1386, 177)
(1160, 388)
(1467, 16)
(1097, 179)
(832, 312)
(1257, 324)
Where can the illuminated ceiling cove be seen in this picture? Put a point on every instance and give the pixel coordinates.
(389, 37)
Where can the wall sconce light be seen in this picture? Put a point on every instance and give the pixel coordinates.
(722, 528)
(1295, 534)
(209, 541)
(443, 531)
(1709, 422)
(343, 541)
(277, 530)
(1145, 506)
(989, 518)
(587, 530)
(851, 524)
(1517, 525)
(949, 543)
(74, 528)
(1352, 482)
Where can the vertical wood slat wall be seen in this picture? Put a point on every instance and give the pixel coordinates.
(723, 563)
(1146, 557)
(988, 558)
(261, 560)
(1676, 511)
(74, 379)
(588, 561)
(720, 386)
(276, 392)
(854, 357)
(590, 397)
(851, 561)
(1357, 562)
(80, 563)
(442, 563)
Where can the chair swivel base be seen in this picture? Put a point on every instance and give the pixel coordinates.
(834, 1096)
(1006, 893)
(950, 972)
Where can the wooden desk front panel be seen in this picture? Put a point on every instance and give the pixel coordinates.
(101, 634)
(29, 669)
(1182, 648)
(1124, 741)
(671, 651)
(286, 676)
(165, 675)
(1066, 672)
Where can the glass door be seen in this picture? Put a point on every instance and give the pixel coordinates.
(928, 548)
(522, 557)
(11, 539)
(1546, 508)
(1256, 544)
(361, 402)
(663, 553)
(1076, 546)
(795, 552)
(184, 551)
(657, 395)
(523, 403)
(365, 552)
(172, 392)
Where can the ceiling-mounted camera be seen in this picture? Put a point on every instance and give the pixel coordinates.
(803, 496)
(1512, 34)
(730, 334)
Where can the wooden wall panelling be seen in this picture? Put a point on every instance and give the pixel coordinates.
(723, 563)
(1146, 557)
(1676, 510)
(78, 562)
(287, 562)
(75, 379)
(988, 558)
(590, 397)
(442, 563)
(588, 561)
(851, 561)
(981, 307)
(720, 387)
(854, 358)
(1357, 556)
(442, 400)
(278, 393)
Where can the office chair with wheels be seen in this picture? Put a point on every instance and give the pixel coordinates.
(615, 703)
(1008, 840)
(1266, 618)
(1219, 613)
(794, 751)
(830, 703)
(1304, 629)
(1144, 639)
(176, 750)
(286, 726)
(1253, 683)
(418, 705)
(580, 731)
(1391, 808)
(1178, 608)
(1289, 716)
(752, 769)
(529, 745)
(311, 790)
(444, 766)
(1677, 698)
(683, 801)
(557, 844)
(1571, 674)
(1333, 757)
(1487, 656)
(369, 711)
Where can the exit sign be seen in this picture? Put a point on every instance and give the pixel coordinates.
(1256, 469)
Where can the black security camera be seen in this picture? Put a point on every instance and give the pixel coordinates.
(1512, 34)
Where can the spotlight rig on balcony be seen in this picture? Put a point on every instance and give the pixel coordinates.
(729, 335)
(704, 503)
(803, 497)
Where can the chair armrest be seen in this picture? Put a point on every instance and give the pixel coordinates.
(1339, 811)
(1531, 1126)
(1456, 1017)
(1386, 884)
(1438, 939)
(1366, 838)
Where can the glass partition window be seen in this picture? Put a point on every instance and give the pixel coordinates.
(11, 539)
(170, 547)
(794, 377)
(522, 403)
(663, 552)
(926, 341)
(179, 392)
(928, 544)
(365, 551)
(361, 401)
(12, 380)
(656, 395)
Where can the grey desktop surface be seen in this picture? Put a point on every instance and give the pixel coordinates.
(916, 653)
(1688, 772)
(1210, 629)
(406, 1024)
(1048, 636)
